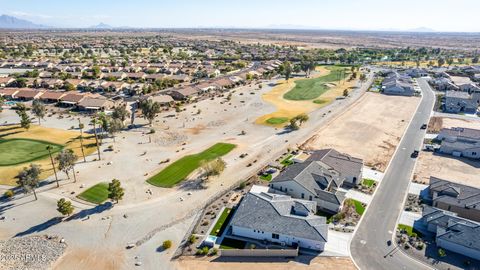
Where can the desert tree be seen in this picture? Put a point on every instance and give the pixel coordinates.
(115, 125)
(149, 110)
(115, 190)
(28, 178)
(39, 110)
(66, 162)
(24, 118)
(64, 207)
(121, 113)
(213, 167)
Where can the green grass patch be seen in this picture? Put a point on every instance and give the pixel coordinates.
(319, 101)
(409, 230)
(96, 194)
(308, 89)
(18, 151)
(277, 120)
(182, 168)
(368, 182)
(266, 177)
(359, 208)
(287, 161)
(222, 221)
(229, 243)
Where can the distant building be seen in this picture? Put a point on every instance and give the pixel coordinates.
(461, 102)
(460, 142)
(395, 84)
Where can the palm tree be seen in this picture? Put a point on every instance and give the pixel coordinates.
(49, 148)
(94, 123)
(81, 126)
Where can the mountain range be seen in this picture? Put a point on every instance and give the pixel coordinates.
(9, 22)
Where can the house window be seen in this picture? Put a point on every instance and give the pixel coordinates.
(303, 195)
(275, 236)
(354, 179)
(310, 197)
(474, 153)
(281, 188)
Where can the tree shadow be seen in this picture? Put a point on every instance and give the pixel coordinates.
(87, 212)
(40, 227)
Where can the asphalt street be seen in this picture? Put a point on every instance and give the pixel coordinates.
(369, 248)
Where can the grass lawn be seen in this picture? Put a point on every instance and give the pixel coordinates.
(182, 168)
(18, 151)
(229, 243)
(277, 120)
(96, 194)
(309, 89)
(267, 177)
(287, 161)
(222, 221)
(359, 208)
(368, 182)
(409, 230)
(319, 101)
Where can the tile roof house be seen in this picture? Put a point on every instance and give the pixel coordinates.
(183, 93)
(460, 199)
(51, 96)
(95, 104)
(452, 232)
(27, 94)
(71, 99)
(279, 219)
(460, 142)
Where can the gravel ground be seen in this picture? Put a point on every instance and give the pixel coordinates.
(32, 252)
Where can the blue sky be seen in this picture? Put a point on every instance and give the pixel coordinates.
(441, 15)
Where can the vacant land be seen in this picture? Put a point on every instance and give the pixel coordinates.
(96, 194)
(300, 263)
(308, 89)
(182, 168)
(55, 137)
(19, 151)
(370, 129)
(286, 109)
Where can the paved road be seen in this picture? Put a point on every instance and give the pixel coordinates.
(369, 247)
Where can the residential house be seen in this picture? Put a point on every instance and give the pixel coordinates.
(163, 100)
(94, 104)
(6, 81)
(8, 93)
(279, 219)
(51, 96)
(183, 93)
(460, 142)
(26, 94)
(395, 84)
(460, 102)
(71, 99)
(453, 233)
(460, 199)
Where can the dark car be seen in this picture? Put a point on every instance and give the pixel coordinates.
(424, 126)
(414, 154)
(389, 242)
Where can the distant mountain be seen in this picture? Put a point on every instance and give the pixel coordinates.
(102, 26)
(9, 22)
(421, 29)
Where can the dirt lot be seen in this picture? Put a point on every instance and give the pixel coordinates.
(319, 263)
(371, 129)
(447, 167)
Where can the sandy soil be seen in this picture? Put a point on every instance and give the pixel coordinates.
(59, 136)
(291, 108)
(447, 167)
(320, 263)
(376, 123)
(88, 259)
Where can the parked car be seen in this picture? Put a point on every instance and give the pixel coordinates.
(414, 154)
(424, 126)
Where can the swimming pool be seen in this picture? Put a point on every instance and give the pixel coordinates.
(10, 103)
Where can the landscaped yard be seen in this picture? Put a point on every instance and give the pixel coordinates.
(96, 194)
(222, 221)
(359, 208)
(266, 177)
(229, 243)
(277, 120)
(368, 182)
(18, 151)
(287, 161)
(308, 89)
(182, 168)
(409, 230)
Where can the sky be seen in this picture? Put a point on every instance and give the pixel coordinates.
(439, 15)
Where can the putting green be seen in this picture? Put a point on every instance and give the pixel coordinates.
(277, 120)
(96, 194)
(18, 151)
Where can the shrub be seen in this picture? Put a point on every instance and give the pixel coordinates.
(242, 185)
(441, 252)
(213, 252)
(9, 194)
(191, 239)
(167, 244)
(420, 246)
